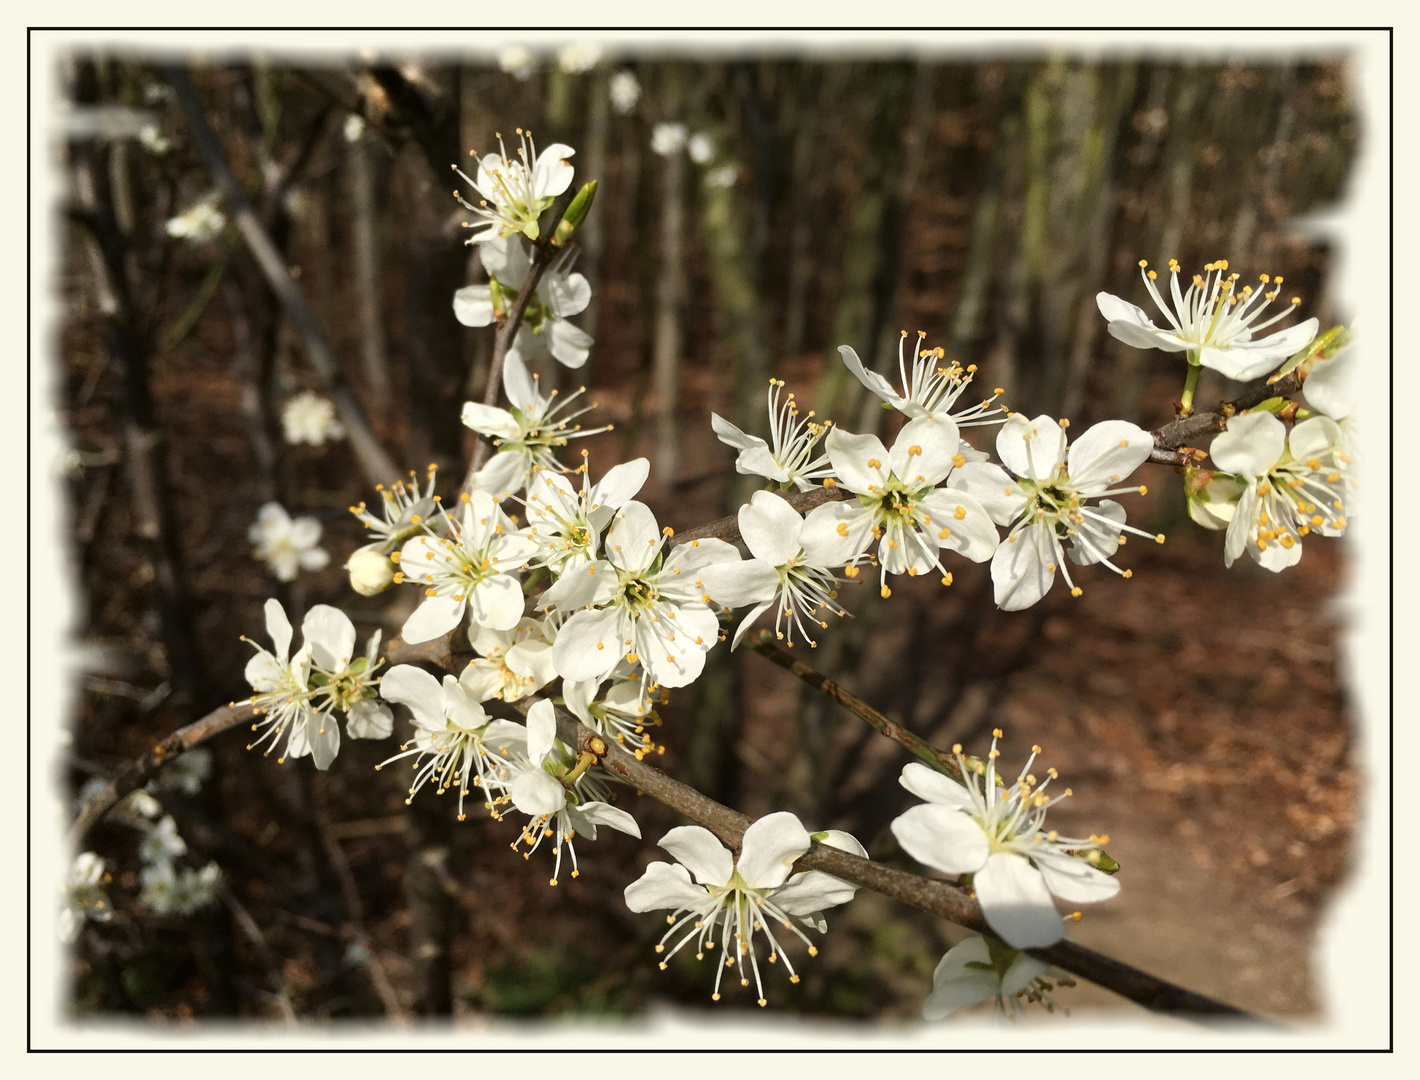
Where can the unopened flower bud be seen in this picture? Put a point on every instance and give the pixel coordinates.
(576, 214)
(370, 572)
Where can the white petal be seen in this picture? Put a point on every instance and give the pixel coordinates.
(770, 527)
(536, 793)
(436, 616)
(1329, 388)
(369, 720)
(701, 853)
(569, 345)
(923, 450)
(331, 636)
(1107, 453)
(581, 586)
(970, 530)
(565, 296)
(497, 602)
(1250, 446)
(473, 305)
(745, 623)
(730, 435)
(1020, 570)
(279, 628)
(1031, 448)
(1314, 436)
(620, 484)
(1074, 880)
(1243, 360)
(519, 385)
(589, 644)
(1098, 540)
(740, 584)
(323, 734)
(486, 420)
(850, 455)
(600, 813)
(927, 783)
(664, 886)
(871, 379)
(826, 544)
(769, 849)
(542, 730)
(634, 539)
(942, 838)
(992, 487)
(760, 461)
(415, 687)
(811, 892)
(552, 174)
(1016, 903)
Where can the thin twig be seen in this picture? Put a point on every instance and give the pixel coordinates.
(763, 643)
(253, 932)
(378, 466)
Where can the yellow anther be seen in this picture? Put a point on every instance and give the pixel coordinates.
(885, 592)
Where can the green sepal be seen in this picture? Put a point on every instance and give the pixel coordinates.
(1099, 859)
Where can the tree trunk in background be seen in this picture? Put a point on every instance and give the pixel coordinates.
(365, 181)
(666, 345)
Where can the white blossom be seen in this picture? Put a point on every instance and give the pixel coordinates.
(310, 418)
(622, 713)
(405, 512)
(527, 435)
(161, 843)
(788, 571)
(667, 140)
(567, 524)
(790, 459)
(649, 610)
(701, 148)
(561, 792)
(474, 568)
(200, 222)
(282, 693)
(999, 837)
(455, 741)
(579, 57)
(736, 897)
(1046, 501)
(354, 127)
(168, 890)
(1292, 485)
(84, 895)
(512, 663)
(287, 545)
(722, 176)
(899, 503)
(1213, 322)
(518, 61)
(544, 330)
(513, 192)
(625, 91)
(929, 390)
(982, 969)
(187, 772)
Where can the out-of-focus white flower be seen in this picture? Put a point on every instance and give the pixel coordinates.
(632, 604)
(560, 792)
(625, 90)
(929, 390)
(1047, 500)
(200, 222)
(783, 572)
(528, 436)
(1213, 322)
(153, 140)
(790, 460)
(560, 294)
(512, 192)
(455, 741)
(187, 772)
(287, 546)
(982, 969)
(1292, 485)
(518, 61)
(310, 418)
(84, 895)
(701, 148)
(579, 56)
(899, 503)
(474, 568)
(668, 139)
(353, 128)
(722, 176)
(162, 844)
(168, 890)
(740, 896)
(999, 837)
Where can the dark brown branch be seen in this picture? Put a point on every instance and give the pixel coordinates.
(378, 466)
(1180, 432)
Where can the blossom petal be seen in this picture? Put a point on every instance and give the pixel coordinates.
(1243, 522)
(490, 421)
(927, 783)
(552, 174)
(589, 644)
(942, 838)
(1021, 568)
(850, 455)
(1107, 453)
(955, 986)
(542, 731)
(369, 720)
(473, 305)
(747, 621)
(871, 379)
(769, 849)
(1243, 360)
(586, 585)
(278, 626)
(437, 615)
(519, 385)
(634, 539)
(1074, 880)
(739, 584)
(664, 886)
(837, 533)
(811, 892)
(1016, 903)
(565, 296)
(600, 813)
(536, 793)
(568, 344)
(1328, 388)
(323, 734)
(1314, 436)
(730, 435)
(1095, 539)
(969, 528)
(620, 484)
(770, 527)
(503, 474)
(331, 636)
(497, 602)
(923, 450)
(1031, 448)
(992, 487)
(408, 685)
(1250, 446)
(701, 853)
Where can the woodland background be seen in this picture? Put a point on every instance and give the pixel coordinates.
(1197, 714)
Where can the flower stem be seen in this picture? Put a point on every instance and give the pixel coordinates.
(1185, 407)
